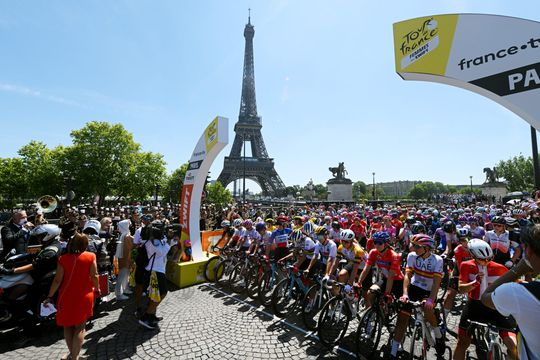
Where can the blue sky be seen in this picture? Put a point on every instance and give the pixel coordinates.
(326, 86)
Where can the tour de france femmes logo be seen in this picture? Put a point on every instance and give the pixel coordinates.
(419, 41)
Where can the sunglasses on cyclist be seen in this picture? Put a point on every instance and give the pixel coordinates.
(498, 225)
(378, 242)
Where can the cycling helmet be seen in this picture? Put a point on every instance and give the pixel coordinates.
(225, 223)
(335, 225)
(308, 227)
(346, 235)
(321, 230)
(410, 220)
(92, 224)
(248, 222)
(282, 219)
(518, 212)
(269, 220)
(472, 220)
(510, 221)
(462, 219)
(488, 226)
(463, 232)
(498, 220)
(418, 228)
(327, 217)
(237, 222)
(449, 226)
(260, 226)
(381, 236)
(423, 240)
(48, 231)
(480, 249)
(296, 236)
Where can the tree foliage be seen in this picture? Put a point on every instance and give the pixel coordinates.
(217, 194)
(103, 160)
(359, 188)
(173, 184)
(518, 173)
(426, 189)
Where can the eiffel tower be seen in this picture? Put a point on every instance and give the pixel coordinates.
(258, 167)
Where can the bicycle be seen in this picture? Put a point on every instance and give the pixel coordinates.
(314, 300)
(381, 315)
(272, 274)
(224, 268)
(210, 266)
(338, 312)
(487, 341)
(289, 292)
(423, 334)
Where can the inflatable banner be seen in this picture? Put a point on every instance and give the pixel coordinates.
(212, 141)
(495, 56)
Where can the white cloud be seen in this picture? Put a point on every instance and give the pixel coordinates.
(26, 91)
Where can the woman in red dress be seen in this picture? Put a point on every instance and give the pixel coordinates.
(77, 277)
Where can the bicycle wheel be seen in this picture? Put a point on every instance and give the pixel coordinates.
(237, 280)
(368, 334)
(285, 297)
(333, 321)
(266, 286)
(253, 276)
(312, 304)
(222, 272)
(418, 347)
(209, 268)
(496, 352)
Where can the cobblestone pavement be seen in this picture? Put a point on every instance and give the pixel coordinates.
(200, 322)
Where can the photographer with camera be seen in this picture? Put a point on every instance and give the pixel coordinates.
(157, 246)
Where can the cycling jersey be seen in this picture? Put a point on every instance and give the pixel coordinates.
(461, 254)
(334, 235)
(424, 270)
(265, 239)
(281, 237)
(355, 255)
(469, 270)
(478, 232)
(498, 242)
(326, 251)
(239, 234)
(309, 247)
(249, 235)
(389, 260)
(359, 230)
(443, 237)
(390, 230)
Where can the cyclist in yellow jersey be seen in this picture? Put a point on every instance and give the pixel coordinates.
(354, 254)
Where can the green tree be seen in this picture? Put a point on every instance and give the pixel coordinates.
(518, 173)
(42, 169)
(359, 188)
(321, 191)
(217, 194)
(146, 171)
(379, 192)
(13, 184)
(173, 184)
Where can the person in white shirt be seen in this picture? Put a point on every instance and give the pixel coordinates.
(521, 300)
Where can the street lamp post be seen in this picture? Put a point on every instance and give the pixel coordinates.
(471, 184)
(373, 190)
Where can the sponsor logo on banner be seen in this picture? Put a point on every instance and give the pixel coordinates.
(419, 42)
(211, 134)
(421, 38)
(185, 205)
(195, 165)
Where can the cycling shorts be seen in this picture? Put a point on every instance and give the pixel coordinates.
(474, 310)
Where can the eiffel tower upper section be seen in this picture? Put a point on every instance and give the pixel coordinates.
(259, 166)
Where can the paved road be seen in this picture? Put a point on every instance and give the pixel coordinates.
(201, 322)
